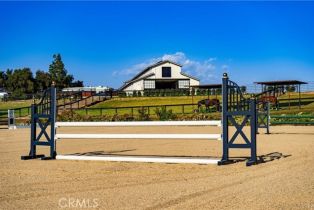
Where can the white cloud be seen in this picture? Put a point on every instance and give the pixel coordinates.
(225, 67)
(202, 69)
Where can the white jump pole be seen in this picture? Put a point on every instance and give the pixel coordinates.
(140, 159)
(139, 123)
(139, 136)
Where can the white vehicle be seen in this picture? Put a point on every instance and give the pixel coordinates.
(3, 94)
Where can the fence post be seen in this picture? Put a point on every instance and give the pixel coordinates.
(253, 158)
(268, 117)
(11, 119)
(53, 116)
(224, 118)
(33, 131)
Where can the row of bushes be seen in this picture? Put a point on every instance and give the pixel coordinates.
(167, 92)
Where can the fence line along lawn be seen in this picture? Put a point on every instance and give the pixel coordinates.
(121, 111)
(150, 101)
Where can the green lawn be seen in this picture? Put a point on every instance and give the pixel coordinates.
(15, 104)
(296, 95)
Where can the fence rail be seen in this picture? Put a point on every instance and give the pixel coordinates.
(292, 119)
(81, 106)
(132, 110)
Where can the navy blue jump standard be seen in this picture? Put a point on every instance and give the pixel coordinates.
(234, 105)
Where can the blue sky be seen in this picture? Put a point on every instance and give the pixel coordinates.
(106, 43)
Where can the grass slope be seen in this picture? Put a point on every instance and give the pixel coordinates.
(15, 104)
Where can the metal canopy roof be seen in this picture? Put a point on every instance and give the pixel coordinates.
(281, 82)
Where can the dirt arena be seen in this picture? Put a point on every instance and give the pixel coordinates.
(284, 181)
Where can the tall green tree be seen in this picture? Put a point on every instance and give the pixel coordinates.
(77, 83)
(20, 82)
(3, 79)
(58, 72)
(290, 88)
(43, 80)
(243, 89)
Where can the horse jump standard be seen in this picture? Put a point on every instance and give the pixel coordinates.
(233, 105)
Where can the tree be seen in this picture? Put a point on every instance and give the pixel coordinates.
(270, 88)
(43, 80)
(20, 82)
(3, 79)
(77, 83)
(243, 89)
(58, 72)
(290, 88)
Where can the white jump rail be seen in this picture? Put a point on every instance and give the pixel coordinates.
(59, 136)
(139, 123)
(139, 136)
(140, 159)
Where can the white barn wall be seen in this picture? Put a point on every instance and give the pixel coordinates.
(194, 82)
(157, 71)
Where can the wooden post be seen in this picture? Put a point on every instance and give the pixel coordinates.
(289, 99)
(299, 89)
(208, 93)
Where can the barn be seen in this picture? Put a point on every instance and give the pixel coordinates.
(161, 75)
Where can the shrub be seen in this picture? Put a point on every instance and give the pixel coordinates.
(187, 92)
(164, 114)
(162, 93)
(134, 93)
(146, 93)
(143, 114)
(69, 115)
(122, 94)
(139, 93)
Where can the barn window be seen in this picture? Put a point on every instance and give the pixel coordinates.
(166, 71)
(184, 84)
(149, 84)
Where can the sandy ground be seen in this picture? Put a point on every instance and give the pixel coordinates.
(284, 181)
